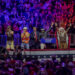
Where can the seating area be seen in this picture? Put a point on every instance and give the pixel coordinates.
(37, 37)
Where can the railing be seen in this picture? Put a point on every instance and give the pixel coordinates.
(17, 40)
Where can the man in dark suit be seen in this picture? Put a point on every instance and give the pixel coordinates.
(35, 39)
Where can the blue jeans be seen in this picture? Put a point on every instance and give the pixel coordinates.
(25, 45)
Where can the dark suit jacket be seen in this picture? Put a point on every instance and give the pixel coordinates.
(32, 39)
(33, 34)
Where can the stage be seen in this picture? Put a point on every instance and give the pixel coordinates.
(46, 53)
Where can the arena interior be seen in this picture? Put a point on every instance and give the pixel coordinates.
(37, 37)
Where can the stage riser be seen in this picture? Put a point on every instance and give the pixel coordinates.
(44, 55)
(71, 52)
(47, 52)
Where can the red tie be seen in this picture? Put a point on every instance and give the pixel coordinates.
(35, 36)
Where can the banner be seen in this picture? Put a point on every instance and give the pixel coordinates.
(50, 40)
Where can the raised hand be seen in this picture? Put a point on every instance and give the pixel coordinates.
(55, 24)
(70, 25)
(52, 24)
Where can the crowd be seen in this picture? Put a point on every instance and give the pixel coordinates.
(20, 16)
(11, 66)
(40, 14)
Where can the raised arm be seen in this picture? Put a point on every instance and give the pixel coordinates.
(56, 26)
(68, 28)
(45, 34)
(49, 28)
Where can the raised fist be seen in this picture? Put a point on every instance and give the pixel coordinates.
(52, 24)
(56, 24)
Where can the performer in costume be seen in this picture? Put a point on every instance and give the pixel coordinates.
(42, 39)
(10, 40)
(62, 37)
(43, 35)
(25, 36)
